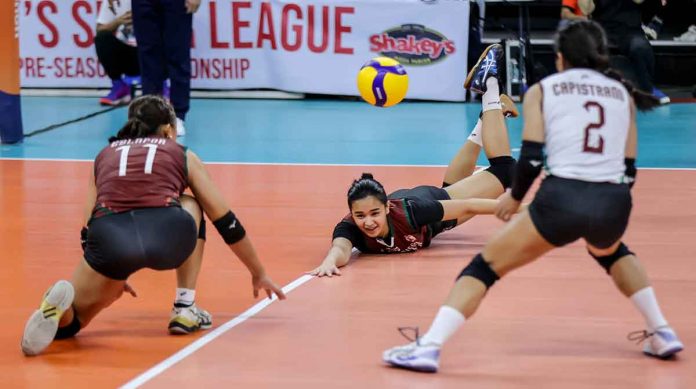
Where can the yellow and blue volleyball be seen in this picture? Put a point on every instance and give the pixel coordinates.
(382, 82)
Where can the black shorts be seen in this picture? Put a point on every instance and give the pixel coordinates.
(565, 210)
(118, 245)
(429, 193)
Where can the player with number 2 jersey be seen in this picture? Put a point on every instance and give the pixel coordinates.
(585, 118)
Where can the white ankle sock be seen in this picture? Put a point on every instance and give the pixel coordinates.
(446, 323)
(475, 135)
(185, 296)
(491, 99)
(646, 303)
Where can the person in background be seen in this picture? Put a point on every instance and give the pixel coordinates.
(622, 21)
(574, 10)
(117, 51)
(164, 30)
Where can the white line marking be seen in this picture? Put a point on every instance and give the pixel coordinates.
(305, 164)
(209, 337)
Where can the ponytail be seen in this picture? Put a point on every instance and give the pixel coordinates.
(134, 128)
(364, 187)
(644, 101)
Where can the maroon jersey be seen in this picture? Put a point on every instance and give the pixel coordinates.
(139, 173)
(410, 222)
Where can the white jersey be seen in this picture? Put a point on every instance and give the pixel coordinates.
(586, 120)
(106, 15)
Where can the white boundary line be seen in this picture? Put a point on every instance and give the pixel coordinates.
(209, 337)
(300, 163)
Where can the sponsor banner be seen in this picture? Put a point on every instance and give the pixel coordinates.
(313, 46)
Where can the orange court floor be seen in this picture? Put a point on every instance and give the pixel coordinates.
(285, 167)
(558, 323)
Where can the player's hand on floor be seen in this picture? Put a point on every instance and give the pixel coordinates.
(506, 207)
(328, 270)
(265, 283)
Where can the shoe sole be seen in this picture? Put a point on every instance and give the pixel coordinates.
(470, 76)
(666, 354)
(40, 330)
(177, 329)
(419, 369)
(122, 101)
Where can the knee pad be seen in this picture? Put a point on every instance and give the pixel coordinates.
(70, 330)
(479, 269)
(201, 229)
(608, 261)
(503, 168)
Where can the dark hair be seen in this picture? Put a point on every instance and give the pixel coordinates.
(366, 186)
(584, 45)
(145, 116)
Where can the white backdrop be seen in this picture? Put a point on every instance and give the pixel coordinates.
(314, 46)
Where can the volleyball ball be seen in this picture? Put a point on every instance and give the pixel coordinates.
(383, 82)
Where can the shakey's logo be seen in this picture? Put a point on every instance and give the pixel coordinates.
(412, 44)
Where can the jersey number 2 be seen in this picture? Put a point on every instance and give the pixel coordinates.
(149, 160)
(597, 147)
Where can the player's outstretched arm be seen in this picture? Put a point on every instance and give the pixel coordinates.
(338, 256)
(468, 208)
(214, 205)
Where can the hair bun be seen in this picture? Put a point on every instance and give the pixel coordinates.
(367, 176)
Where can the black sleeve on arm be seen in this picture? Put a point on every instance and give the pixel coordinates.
(528, 168)
(425, 212)
(349, 231)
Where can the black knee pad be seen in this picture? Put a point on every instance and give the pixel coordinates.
(70, 330)
(608, 261)
(503, 168)
(479, 269)
(201, 229)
